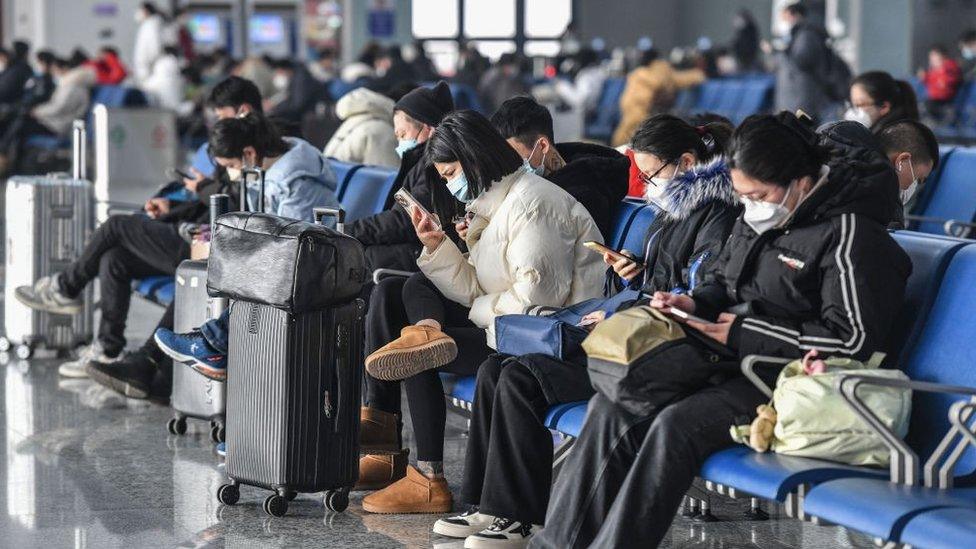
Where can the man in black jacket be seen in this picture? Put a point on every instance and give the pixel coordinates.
(390, 239)
(595, 175)
(16, 73)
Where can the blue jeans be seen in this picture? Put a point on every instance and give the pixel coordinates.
(216, 332)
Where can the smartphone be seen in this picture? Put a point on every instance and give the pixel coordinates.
(407, 200)
(600, 248)
(176, 172)
(688, 316)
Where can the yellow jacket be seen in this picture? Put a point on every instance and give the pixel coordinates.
(649, 89)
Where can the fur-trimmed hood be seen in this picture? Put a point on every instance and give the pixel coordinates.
(702, 184)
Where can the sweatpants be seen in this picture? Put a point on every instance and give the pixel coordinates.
(124, 248)
(508, 464)
(623, 482)
(394, 304)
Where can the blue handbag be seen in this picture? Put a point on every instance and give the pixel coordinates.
(556, 334)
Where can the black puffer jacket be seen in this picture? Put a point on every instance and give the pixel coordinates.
(694, 219)
(830, 278)
(596, 176)
(389, 237)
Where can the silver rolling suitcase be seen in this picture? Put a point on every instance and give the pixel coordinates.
(195, 396)
(48, 220)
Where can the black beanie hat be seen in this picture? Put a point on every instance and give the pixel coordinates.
(427, 105)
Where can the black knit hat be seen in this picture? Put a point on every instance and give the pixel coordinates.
(427, 105)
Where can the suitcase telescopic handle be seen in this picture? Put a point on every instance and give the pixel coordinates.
(338, 213)
(259, 175)
(79, 152)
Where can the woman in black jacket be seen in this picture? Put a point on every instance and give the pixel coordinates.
(809, 266)
(508, 464)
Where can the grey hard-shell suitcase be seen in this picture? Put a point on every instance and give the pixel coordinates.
(293, 396)
(194, 395)
(48, 220)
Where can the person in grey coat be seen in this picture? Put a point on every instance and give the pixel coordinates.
(800, 65)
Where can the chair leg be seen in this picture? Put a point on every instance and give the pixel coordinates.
(755, 511)
(689, 507)
(706, 513)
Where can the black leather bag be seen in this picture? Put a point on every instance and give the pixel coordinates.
(292, 265)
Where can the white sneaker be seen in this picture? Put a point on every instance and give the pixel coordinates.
(91, 353)
(503, 532)
(463, 525)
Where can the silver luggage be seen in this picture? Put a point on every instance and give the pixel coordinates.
(48, 220)
(194, 395)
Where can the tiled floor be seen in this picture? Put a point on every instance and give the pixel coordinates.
(82, 469)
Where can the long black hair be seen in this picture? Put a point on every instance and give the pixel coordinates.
(884, 88)
(668, 137)
(776, 148)
(469, 138)
(230, 136)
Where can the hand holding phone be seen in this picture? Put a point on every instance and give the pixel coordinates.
(687, 316)
(409, 203)
(623, 262)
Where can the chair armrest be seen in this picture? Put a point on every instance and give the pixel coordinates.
(749, 364)
(904, 461)
(380, 274)
(951, 227)
(959, 414)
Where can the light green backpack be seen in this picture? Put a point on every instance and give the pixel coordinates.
(813, 420)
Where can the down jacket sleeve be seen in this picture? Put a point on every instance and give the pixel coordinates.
(709, 242)
(861, 291)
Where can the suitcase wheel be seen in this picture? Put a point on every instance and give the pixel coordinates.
(24, 352)
(5, 344)
(276, 505)
(337, 500)
(176, 426)
(228, 494)
(217, 433)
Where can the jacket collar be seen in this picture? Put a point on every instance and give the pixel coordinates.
(488, 203)
(702, 184)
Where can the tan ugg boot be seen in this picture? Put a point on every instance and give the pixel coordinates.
(414, 493)
(418, 348)
(378, 431)
(379, 471)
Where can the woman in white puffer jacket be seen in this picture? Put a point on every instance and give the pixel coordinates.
(366, 134)
(524, 237)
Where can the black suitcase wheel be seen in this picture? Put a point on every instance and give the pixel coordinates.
(228, 494)
(176, 426)
(217, 433)
(276, 505)
(336, 500)
(290, 495)
(24, 352)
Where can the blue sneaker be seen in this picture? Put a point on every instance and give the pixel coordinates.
(193, 350)
(222, 449)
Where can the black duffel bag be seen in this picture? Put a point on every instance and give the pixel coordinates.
(292, 265)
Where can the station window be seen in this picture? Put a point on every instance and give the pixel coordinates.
(492, 25)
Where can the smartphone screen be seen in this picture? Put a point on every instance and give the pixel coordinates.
(407, 200)
(688, 316)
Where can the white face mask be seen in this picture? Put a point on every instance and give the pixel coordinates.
(762, 216)
(908, 193)
(859, 115)
(234, 174)
(655, 187)
(280, 81)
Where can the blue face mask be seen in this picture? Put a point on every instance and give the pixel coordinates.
(527, 166)
(405, 145)
(459, 188)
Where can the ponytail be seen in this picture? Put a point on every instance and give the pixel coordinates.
(230, 136)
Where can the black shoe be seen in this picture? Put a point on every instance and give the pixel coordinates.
(131, 377)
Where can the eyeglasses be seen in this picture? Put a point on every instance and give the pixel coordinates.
(646, 179)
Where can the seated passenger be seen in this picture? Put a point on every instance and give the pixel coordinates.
(389, 236)
(366, 135)
(508, 463)
(68, 102)
(809, 265)
(914, 151)
(144, 373)
(594, 175)
(524, 236)
(877, 99)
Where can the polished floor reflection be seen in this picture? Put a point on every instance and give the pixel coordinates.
(84, 469)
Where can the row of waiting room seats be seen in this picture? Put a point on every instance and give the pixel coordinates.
(110, 96)
(733, 97)
(960, 123)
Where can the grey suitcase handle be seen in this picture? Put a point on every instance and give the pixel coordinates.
(321, 213)
(259, 173)
(79, 150)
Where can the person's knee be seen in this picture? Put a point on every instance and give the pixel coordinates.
(490, 370)
(417, 282)
(672, 427)
(114, 264)
(516, 379)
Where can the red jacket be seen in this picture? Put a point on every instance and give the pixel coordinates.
(636, 187)
(109, 70)
(943, 82)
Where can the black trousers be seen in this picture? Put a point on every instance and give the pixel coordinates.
(124, 248)
(21, 126)
(508, 465)
(394, 304)
(624, 480)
